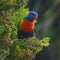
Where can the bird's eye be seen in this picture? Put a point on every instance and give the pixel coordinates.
(35, 17)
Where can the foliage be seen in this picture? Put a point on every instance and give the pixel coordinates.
(10, 17)
(24, 49)
(12, 48)
(11, 4)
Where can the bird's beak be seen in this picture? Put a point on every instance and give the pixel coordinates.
(35, 19)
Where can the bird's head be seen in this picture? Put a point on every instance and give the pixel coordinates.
(32, 16)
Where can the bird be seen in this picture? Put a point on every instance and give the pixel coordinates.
(26, 28)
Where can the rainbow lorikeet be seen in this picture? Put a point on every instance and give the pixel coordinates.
(27, 26)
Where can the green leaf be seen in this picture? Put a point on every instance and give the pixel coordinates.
(45, 41)
(2, 28)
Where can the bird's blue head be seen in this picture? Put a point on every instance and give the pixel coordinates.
(32, 16)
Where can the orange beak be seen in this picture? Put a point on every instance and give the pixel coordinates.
(35, 17)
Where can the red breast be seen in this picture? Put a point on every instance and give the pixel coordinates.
(27, 26)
